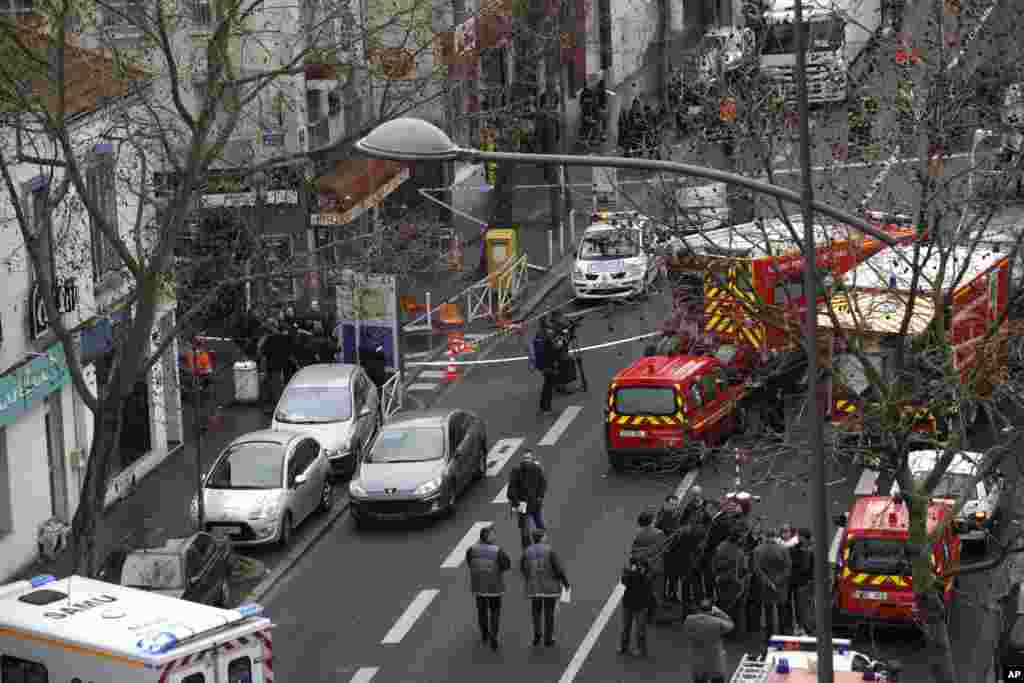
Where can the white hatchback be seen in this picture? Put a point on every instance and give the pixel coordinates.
(614, 261)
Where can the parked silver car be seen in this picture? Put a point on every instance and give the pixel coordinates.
(419, 464)
(263, 485)
(337, 404)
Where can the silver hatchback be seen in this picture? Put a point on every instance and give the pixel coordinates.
(338, 405)
(263, 485)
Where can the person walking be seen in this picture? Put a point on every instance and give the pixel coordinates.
(544, 357)
(637, 602)
(649, 546)
(704, 631)
(487, 563)
(278, 359)
(669, 521)
(773, 571)
(801, 585)
(545, 580)
(527, 485)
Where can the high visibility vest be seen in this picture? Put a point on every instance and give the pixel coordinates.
(199, 364)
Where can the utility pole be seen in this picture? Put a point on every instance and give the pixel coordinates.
(819, 509)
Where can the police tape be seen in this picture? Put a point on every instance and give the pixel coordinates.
(517, 359)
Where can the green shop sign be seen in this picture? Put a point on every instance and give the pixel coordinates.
(23, 388)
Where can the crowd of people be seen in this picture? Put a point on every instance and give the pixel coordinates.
(641, 129)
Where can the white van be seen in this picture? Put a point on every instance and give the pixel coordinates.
(79, 630)
(615, 258)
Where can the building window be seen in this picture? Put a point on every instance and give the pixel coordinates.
(333, 103)
(100, 181)
(313, 106)
(124, 13)
(5, 485)
(36, 206)
(202, 12)
(16, 6)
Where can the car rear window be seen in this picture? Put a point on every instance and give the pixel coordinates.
(314, 405)
(645, 401)
(879, 556)
(258, 465)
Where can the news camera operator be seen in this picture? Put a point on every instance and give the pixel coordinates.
(563, 338)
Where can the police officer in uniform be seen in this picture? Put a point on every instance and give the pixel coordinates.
(487, 563)
(545, 580)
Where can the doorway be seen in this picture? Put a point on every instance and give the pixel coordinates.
(53, 424)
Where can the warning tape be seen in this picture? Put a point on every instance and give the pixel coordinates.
(516, 359)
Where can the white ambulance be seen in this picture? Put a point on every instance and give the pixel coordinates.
(79, 630)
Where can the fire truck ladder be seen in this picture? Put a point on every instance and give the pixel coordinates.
(751, 670)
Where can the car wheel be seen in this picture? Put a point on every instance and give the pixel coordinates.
(284, 538)
(327, 496)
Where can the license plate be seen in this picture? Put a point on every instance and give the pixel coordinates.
(632, 433)
(870, 595)
(225, 531)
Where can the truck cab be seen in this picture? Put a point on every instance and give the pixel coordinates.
(872, 574)
(662, 403)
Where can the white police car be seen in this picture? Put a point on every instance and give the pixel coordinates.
(615, 258)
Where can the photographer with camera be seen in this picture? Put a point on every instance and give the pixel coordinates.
(544, 358)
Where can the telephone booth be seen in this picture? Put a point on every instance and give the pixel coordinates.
(501, 246)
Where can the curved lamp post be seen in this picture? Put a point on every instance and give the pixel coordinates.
(410, 139)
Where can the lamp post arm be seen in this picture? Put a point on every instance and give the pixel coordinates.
(790, 196)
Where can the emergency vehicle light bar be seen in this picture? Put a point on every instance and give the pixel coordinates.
(806, 643)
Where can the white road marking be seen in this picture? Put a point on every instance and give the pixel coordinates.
(833, 550)
(867, 482)
(502, 497)
(432, 374)
(364, 675)
(421, 386)
(561, 424)
(501, 451)
(686, 483)
(413, 612)
(516, 359)
(459, 554)
(589, 640)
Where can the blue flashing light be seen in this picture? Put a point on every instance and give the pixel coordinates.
(250, 610)
(42, 580)
(158, 644)
(782, 666)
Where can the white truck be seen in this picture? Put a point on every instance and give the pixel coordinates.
(838, 31)
(83, 630)
(793, 659)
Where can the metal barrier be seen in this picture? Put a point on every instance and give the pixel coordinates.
(482, 299)
(391, 396)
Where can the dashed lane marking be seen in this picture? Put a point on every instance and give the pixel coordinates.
(364, 675)
(589, 640)
(561, 424)
(432, 374)
(686, 483)
(459, 554)
(408, 619)
(502, 497)
(422, 386)
(501, 451)
(866, 485)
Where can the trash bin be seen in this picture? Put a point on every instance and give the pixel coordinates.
(247, 381)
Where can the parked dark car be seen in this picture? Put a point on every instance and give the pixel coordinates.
(196, 568)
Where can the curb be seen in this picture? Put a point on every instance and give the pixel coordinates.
(264, 587)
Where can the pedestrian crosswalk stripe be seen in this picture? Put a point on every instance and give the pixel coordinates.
(500, 452)
(364, 675)
(561, 424)
(408, 619)
(421, 386)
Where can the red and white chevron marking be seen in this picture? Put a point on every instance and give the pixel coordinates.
(229, 645)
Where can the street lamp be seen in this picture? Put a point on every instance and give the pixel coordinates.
(411, 139)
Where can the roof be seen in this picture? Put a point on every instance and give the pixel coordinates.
(878, 312)
(656, 369)
(278, 436)
(325, 374)
(91, 76)
(881, 513)
(111, 618)
(891, 269)
(434, 417)
(965, 462)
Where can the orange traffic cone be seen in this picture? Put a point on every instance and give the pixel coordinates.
(452, 373)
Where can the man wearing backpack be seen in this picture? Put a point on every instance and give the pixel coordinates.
(543, 355)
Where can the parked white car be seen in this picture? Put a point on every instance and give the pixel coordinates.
(616, 258)
(263, 485)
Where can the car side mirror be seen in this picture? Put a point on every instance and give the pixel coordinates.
(299, 480)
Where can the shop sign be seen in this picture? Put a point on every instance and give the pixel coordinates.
(27, 385)
(232, 199)
(66, 298)
(375, 198)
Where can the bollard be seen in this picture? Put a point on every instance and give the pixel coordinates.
(561, 238)
(572, 227)
(551, 248)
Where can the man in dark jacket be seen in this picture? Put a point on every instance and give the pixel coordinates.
(547, 364)
(527, 485)
(278, 361)
(668, 521)
(704, 630)
(637, 602)
(800, 593)
(773, 572)
(545, 580)
(487, 563)
(649, 546)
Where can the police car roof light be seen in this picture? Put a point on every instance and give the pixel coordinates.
(158, 644)
(250, 610)
(42, 580)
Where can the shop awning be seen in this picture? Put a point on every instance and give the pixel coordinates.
(355, 185)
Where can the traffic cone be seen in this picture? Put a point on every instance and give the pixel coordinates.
(452, 373)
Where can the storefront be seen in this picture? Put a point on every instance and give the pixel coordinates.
(40, 459)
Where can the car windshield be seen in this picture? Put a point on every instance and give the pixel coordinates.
(618, 244)
(314, 405)
(824, 34)
(879, 556)
(257, 465)
(951, 485)
(408, 445)
(645, 401)
(152, 571)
